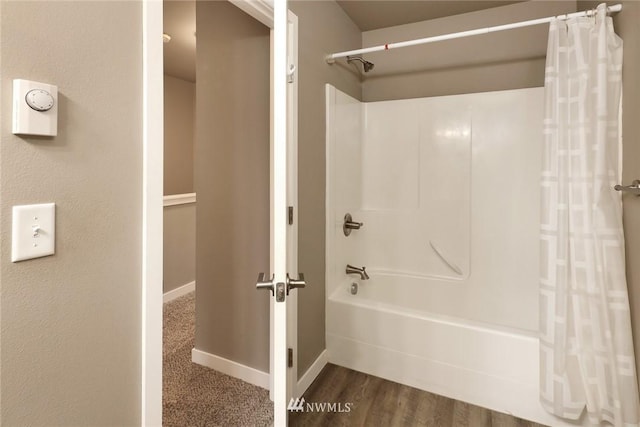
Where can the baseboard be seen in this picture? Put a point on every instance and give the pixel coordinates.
(179, 199)
(178, 292)
(229, 367)
(312, 373)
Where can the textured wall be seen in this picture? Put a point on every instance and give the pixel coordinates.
(232, 183)
(505, 60)
(323, 28)
(71, 322)
(179, 246)
(179, 122)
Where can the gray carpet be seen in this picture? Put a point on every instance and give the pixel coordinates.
(197, 396)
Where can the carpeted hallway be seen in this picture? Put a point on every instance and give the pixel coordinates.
(197, 396)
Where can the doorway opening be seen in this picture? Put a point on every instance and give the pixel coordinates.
(197, 209)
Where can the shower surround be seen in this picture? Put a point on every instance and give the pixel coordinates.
(447, 189)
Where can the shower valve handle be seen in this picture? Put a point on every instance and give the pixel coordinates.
(350, 224)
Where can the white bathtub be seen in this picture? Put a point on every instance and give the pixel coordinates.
(461, 173)
(484, 365)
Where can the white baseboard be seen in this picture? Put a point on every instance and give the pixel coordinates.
(179, 199)
(229, 367)
(312, 373)
(178, 292)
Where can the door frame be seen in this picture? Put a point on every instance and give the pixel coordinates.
(152, 200)
(152, 213)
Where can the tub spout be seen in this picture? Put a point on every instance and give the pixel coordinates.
(359, 271)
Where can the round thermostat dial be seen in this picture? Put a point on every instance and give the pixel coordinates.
(39, 99)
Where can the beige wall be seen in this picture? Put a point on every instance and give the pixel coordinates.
(179, 221)
(323, 28)
(499, 61)
(627, 27)
(71, 349)
(179, 122)
(179, 246)
(232, 183)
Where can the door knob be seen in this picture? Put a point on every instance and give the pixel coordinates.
(277, 289)
(265, 284)
(295, 283)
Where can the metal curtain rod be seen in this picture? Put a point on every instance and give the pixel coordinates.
(331, 58)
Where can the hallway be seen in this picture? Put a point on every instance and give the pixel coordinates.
(197, 396)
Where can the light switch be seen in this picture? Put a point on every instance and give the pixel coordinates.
(35, 108)
(33, 231)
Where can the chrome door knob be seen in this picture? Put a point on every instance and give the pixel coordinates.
(295, 283)
(265, 284)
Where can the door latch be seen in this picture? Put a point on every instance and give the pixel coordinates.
(295, 283)
(277, 289)
(265, 284)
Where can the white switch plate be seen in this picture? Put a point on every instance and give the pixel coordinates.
(33, 231)
(28, 121)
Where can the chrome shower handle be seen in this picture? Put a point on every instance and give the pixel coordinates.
(350, 224)
(634, 188)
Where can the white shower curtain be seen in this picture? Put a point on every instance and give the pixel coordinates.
(586, 348)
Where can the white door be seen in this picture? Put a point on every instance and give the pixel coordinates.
(280, 284)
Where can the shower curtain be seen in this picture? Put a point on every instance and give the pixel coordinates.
(586, 349)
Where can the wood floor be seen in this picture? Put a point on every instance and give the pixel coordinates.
(378, 402)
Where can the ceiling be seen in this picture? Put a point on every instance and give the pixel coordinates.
(180, 23)
(371, 15)
(180, 52)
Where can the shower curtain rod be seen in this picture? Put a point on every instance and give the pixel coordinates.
(331, 58)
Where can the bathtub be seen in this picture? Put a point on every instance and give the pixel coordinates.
(485, 365)
(448, 191)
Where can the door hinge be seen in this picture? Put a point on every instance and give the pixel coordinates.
(290, 358)
(291, 73)
(290, 215)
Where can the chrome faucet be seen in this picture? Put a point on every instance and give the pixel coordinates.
(360, 271)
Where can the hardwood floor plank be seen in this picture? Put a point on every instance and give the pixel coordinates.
(479, 416)
(377, 402)
(461, 414)
(426, 408)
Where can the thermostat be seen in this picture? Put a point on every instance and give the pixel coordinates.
(35, 108)
(39, 99)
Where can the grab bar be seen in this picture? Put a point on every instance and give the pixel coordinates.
(634, 188)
